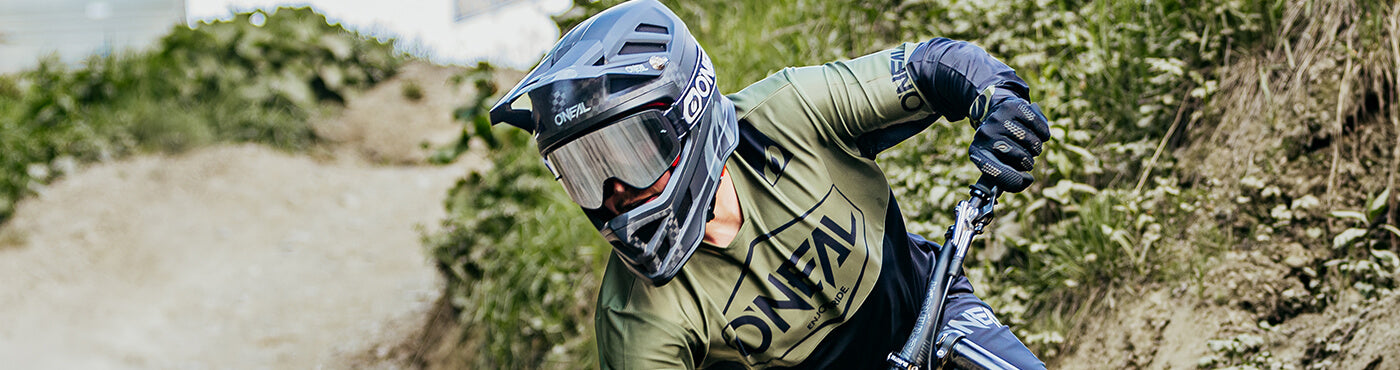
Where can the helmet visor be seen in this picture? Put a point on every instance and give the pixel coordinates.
(636, 150)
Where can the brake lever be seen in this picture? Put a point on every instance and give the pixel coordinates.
(986, 196)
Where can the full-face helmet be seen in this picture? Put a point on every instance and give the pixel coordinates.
(628, 95)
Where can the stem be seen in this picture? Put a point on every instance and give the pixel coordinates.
(1394, 116)
(1341, 108)
(1163, 144)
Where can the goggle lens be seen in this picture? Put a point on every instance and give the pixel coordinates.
(636, 149)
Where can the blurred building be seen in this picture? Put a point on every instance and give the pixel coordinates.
(75, 29)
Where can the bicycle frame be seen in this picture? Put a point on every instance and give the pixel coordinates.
(971, 216)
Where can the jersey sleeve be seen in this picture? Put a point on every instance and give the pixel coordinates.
(867, 104)
(632, 340)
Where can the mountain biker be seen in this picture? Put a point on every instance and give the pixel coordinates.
(755, 229)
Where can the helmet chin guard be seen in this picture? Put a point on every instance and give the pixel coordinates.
(616, 62)
(658, 237)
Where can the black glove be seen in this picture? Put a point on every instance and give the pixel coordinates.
(1010, 134)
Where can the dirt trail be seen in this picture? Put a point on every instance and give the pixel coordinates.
(234, 256)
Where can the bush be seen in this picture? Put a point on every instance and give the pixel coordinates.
(521, 260)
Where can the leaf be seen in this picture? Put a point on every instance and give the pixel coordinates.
(1084, 188)
(338, 45)
(1060, 161)
(1351, 214)
(1391, 229)
(1083, 153)
(1376, 206)
(1347, 237)
(1060, 192)
(1387, 258)
(1306, 202)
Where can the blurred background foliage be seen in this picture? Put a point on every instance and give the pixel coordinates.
(522, 262)
(1185, 132)
(257, 77)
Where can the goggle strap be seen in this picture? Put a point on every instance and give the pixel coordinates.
(550, 167)
(681, 126)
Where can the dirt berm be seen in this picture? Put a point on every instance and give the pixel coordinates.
(237, 256)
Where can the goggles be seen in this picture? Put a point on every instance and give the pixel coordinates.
(636, 149)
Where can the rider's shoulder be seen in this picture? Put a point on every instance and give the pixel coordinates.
(772, 89)
(622, 291)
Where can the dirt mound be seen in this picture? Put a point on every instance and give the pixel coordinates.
(237, 256)
(400, 119)
(228, 257)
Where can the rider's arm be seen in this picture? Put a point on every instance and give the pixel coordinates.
(875, 101)
(952, 73)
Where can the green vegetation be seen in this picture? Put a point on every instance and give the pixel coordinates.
(224, 81)
(1183, 130)
(520, 257)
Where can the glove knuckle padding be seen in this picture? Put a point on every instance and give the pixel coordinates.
(1026, 112)
(1006, 178)
(1030, 133)
(1038, 123)
(1015, 129)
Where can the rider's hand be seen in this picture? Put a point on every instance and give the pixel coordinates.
(1010, 134)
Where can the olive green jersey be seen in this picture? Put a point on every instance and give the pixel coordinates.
(809, 280)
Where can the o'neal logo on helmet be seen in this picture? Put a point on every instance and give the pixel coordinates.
(570, 113)
(697, 95)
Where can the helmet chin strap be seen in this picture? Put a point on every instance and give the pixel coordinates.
(723, 172)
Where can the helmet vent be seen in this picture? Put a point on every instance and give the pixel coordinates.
(642, 47)
(618, 83)
(600, 62)
(651, 28)
(647, 231)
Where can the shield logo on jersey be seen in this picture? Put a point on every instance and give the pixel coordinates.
(762, 153)
(778, 159)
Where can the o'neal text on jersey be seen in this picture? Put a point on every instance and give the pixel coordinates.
(904, 83)
(806, 291)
